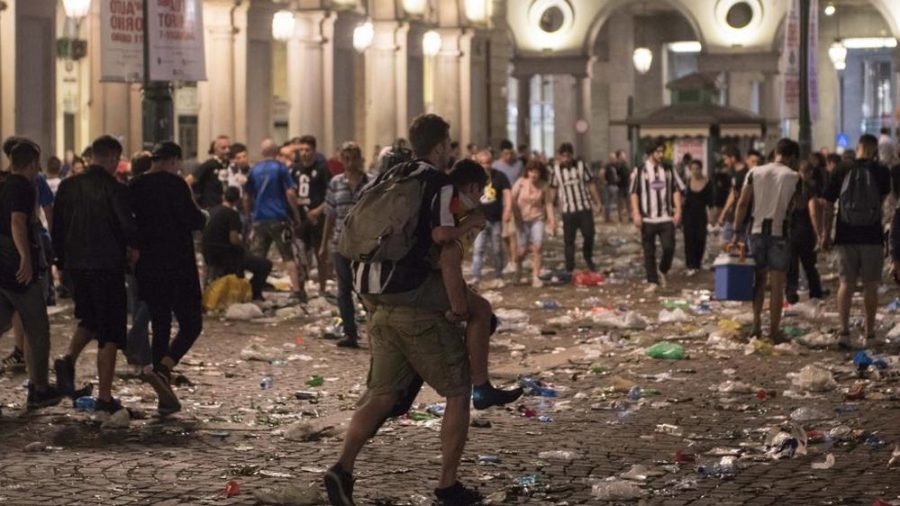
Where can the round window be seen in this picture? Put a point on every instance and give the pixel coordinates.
(551, 16)
(739, 15)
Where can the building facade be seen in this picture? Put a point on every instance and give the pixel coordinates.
(536, 71)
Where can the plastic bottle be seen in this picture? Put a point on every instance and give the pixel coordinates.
(315, 381)
(536, 388)
(547, 304)
(266, 382)
(634, 393)
(86, 403)
(545, 418)
(666, 350)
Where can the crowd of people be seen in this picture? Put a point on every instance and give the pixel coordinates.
(122, 238)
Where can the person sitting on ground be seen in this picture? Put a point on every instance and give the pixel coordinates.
(469, 179)
(223, 247)
(772, 188)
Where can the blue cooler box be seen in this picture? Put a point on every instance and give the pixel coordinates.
(735, 277)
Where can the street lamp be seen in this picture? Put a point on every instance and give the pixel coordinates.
(837, 53)
(283, 25)
(432, 43)
(415, 7)
(642, 59)
(478, 11)
(77, 9)
(363, 35)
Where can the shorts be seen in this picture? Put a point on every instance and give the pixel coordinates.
(769, 252)
(408, 343)
(531, 232)
(860, 262)
(509, 229)
(311, 234)
(101, 304)
(431, 295)
(267, 232)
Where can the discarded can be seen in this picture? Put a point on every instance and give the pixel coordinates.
(232, 488)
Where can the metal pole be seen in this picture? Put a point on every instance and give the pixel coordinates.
(805, 136)
(157, 107)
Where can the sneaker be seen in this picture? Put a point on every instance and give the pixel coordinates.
(663, 280)
(458, 495)
(591, 267)
(792, 298)
(690, 273)
(485, 396)
(348, 342)
(652, 288)
(65, 375)
(844, 341)
(168, 401)
(15, 361)
(537, 283)
(778, 337)
(49, 397)
(509, 268)
(339, 485)
(109, 407)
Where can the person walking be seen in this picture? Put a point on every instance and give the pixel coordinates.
(21, 291)
(311, 175)
(805, 235)
(697, 200)
(572, 183)
(860, 189)
(771, 188)
(343, 192)
(533, 211)
(167, 216)
(656, 211)
(497, 206)
(95, 237)
(271, 195)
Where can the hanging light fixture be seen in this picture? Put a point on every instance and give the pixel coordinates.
(478, 11)
(283, 25)
(415, 7)
(77, 9)
(837, 53)
(642, 56)
(642, 59)
(432, 43)
(363, 35)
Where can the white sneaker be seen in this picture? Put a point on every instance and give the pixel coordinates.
(690, 272)
(663, 281)
(537, 283)
(651, 288)
(509, 268)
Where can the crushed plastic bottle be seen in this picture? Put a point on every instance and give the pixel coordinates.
(828, 464)
(545, 418)
(535, 388)
(266, 383)
(315, 381)
(617, 490)
(672, 430)
(863, 361)
(725, 469)
(548, 304)
(87, 403)
(814, 379)
(807, 414)
(875, 442)
(666, 350)
(786, 441)
(894, 305)
(558, 455)
(634, 393)
(436, 409)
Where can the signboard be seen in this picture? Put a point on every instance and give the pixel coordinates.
(176, 40)
(121, 40)
(790, 61)
(175, 30)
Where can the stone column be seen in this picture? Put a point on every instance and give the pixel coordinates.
(583, 112)
(523, 105)
(258, 91)
(311, 78)
(385, 77)
(8, 77)
(452, 84)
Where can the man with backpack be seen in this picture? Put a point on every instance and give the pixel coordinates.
(389, 236)
(860, 189)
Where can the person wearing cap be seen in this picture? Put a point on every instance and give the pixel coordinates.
(166, 216)
(95, 238)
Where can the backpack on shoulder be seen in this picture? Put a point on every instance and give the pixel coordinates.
(381, 226)
(860, 199)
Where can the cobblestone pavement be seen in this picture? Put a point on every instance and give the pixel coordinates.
(231, 429)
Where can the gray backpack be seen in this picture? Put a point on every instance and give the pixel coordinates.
(860, 199)
(381, 226)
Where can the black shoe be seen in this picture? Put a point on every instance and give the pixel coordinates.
(792, 298)
(15, 361)
(168, 401)
(65, 375)
(591, 267)
(339, 485)
(107, 406)
(301, 296)
(348, 342)
(457, 495)
(485, 396)
(49, 397)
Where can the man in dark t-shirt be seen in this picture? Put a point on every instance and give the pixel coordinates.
(223, 248)
(311, 175)
(496, 204)
(211, 177)
(166, 217)
(20, 288)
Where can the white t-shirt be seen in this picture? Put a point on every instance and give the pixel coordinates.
(774, 186)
